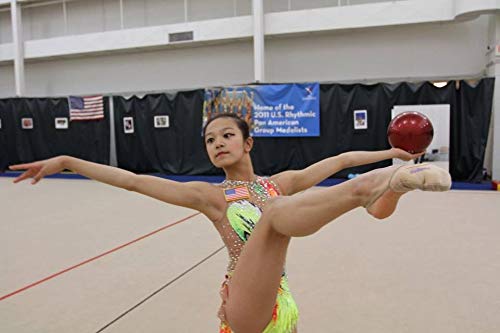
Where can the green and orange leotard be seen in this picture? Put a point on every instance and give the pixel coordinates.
(245, 203)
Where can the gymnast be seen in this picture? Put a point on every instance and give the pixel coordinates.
(257, 216)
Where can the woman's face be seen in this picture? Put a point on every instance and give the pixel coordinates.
(224, 142)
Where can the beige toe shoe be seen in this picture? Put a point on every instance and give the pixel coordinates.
(425, 177)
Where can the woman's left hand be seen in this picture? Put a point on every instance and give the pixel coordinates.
(404, 155)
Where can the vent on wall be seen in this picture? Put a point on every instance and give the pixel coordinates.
(180, 37)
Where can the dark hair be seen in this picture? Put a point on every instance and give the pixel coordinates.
(242, 125)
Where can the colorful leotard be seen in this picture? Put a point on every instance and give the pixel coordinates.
(245, 203)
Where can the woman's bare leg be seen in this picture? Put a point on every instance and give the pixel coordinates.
(254, 284)
(384, 206)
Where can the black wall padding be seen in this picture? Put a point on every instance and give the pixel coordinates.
(470, 124)
(84, 139)
(178, 149)
(470, 113)
(337, 103)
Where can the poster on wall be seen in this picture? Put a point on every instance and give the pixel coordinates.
(161, 121)
(274, 110)
(61, 123)
(27, 123)
(128, 125)
(360, 119)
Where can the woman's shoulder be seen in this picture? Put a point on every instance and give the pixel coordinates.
(272, 185)
(281, 181)
(206, 186)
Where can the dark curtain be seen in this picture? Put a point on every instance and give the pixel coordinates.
(180, 150)
(88, 140)
(470, 113)
(6, 147)
(337, 103)
(469, 130)
(177, 149)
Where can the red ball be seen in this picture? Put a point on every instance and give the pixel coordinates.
(410, 131)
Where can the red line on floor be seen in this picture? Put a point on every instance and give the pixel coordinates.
(95, 258)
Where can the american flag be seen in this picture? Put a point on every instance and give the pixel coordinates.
(86, 108)
(237, 193)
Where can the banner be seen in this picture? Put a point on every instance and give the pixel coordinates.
(279, 110)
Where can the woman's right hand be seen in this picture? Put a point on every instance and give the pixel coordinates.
(38, 170)
(404, 155)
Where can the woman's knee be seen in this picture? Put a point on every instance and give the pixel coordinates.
(282, 214)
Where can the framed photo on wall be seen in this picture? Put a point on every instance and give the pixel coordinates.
(128, 125)
(27, 123)
(161, 122)
(61, 123)
(360, 119)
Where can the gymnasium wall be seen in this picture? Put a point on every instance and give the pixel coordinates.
(395, 52)
(175, 69)
(403, 53)
(400, 53)
(89, 16)
(7, 81)
(5, 28)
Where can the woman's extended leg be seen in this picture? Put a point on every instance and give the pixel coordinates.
(384, 206)
(256, 279)
(411, 177)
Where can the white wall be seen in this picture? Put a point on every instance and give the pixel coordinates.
(42, 22)
(383, 54)
(94, 55)
(415, 52)
(5, 28)
(7, 83)
(92, 16)
(183, 68)
(144, 13)
(87, 16)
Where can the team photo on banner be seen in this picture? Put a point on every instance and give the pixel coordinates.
(279, 110)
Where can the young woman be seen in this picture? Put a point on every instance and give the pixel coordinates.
(256, 216)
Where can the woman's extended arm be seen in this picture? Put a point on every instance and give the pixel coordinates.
(298, 180)
(195, 195)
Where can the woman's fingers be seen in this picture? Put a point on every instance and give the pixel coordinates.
(29, 174)
(20, 166)
(414, 156)
(31, 169)
(23, 176)
(406, 156)
(35, 170)
(37, 178)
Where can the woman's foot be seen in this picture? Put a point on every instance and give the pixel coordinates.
(425, 177)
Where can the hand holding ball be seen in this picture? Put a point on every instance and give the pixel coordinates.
(410, 131)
